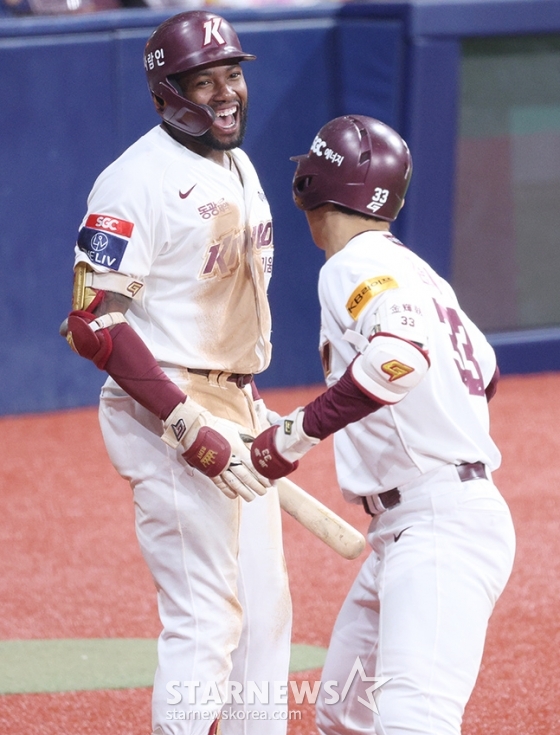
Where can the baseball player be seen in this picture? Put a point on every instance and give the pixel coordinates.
(409, 378)
(172, 264)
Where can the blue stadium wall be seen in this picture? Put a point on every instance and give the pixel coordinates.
(74, 97)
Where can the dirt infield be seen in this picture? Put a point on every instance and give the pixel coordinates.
(71, 568)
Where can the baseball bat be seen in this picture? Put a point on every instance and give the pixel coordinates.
(320, 520)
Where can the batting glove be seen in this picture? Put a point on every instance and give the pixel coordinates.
(277, 450)
(207, 443)
(265, 415)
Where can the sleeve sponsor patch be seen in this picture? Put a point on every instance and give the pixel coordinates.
(110, 224)
(366, 291)
(104, 239)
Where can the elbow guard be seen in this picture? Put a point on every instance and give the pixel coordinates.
(90, 336)
(389, 368)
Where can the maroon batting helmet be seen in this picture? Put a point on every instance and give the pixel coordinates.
(356, 162)
(182, 43)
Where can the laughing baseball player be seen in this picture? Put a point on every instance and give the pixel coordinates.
(409, 378)
(172, 264)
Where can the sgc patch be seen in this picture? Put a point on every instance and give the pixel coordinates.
(104, 239)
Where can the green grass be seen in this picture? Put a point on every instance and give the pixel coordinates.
(63, 665)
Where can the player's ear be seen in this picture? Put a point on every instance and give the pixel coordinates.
(159, 104)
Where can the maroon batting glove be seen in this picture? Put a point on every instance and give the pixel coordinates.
(267, 459)
(209, 453)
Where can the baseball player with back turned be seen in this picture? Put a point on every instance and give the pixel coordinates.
(409, 378)
(172, 263)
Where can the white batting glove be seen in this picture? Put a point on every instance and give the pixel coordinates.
(206, 443)
(277, 450)
(265, 415)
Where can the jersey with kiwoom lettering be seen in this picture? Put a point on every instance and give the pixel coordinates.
(199, 239)
(377, 283)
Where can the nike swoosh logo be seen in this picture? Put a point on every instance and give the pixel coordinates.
(397, 536)
(184, 196)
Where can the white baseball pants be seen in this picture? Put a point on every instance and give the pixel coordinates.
(419, 608)
(219, 571)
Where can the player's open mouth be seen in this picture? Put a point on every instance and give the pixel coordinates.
(226, 119)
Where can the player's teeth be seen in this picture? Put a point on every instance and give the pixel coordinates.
(225, 119)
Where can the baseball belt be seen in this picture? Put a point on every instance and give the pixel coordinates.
(240, 379)
(391, 498)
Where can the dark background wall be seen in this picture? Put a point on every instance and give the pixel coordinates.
(73, 97)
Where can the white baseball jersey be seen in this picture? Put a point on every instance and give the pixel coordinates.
(199, 239)
(444, 420)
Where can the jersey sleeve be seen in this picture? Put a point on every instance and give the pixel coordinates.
(381, 303)
(121, 230)
(400, 312)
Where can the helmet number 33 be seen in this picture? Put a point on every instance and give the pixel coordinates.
(378, 199)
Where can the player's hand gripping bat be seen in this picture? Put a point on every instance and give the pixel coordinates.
(317, 518)
(307, 510)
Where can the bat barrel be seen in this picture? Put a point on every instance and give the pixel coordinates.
(320, 520)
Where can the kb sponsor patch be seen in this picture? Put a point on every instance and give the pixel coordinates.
(104, 239)
(367, 291)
